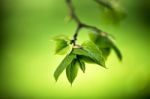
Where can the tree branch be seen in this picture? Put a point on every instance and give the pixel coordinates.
(79, 23)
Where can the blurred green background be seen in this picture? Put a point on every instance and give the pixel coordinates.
(27, 60)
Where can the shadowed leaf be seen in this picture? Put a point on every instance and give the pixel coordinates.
(105, 52)
(117, 51)
(105, 43)
(81, 64)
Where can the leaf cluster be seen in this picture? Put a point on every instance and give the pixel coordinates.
(94, 51)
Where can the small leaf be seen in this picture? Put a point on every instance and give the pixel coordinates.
(66, 61)
(81, 64)
(72, 70)
(62, 47)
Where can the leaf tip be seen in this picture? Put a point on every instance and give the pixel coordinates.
(55, 77)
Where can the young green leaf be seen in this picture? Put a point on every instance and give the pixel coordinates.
(66, 61)
(72, 70)
(62, 46)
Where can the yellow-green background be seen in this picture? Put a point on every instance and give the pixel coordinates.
(27, 51)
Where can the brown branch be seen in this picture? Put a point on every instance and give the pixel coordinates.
(79, 23)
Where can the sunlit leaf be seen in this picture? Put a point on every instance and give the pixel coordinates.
(62, 47)
(62, 44)
(72, 70)
(66, 61)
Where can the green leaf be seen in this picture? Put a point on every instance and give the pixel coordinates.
(105, 52)
(113, 11)
(81, 64)
(66, 61)
(80, 51)
(90, 50)
(72, 70)
(105, 3)
(94, 52)
(117, 51)
(62, 47)
(87, 59)
(100, 39)
(84, 55)
(105, 43)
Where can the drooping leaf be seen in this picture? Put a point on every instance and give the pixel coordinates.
(90, 50)
(72, 70)
(117, 51)
(81, 64)
(66, 61)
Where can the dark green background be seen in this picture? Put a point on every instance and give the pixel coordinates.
(27, 60)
